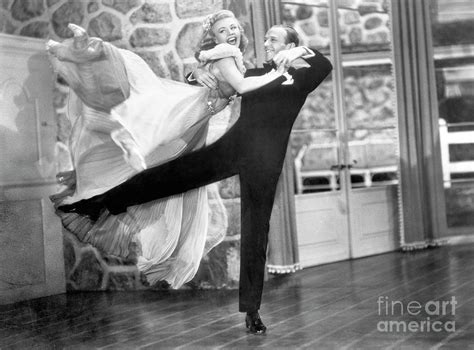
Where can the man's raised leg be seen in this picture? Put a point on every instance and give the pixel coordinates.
(193, 170)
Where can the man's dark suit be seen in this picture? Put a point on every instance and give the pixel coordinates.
(254, 148)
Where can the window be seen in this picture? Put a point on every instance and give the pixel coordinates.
(368, 126)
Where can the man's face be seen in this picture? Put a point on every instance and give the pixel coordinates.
(275, 41)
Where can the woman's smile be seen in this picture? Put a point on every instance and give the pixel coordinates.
(227, 31)
(232, 40)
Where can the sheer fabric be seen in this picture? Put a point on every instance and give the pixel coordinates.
(124, 119)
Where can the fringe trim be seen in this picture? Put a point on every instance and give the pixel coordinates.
(281, 269)
(408, 247)
(438, 242)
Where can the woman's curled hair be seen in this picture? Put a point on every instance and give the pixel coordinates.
(207, 41)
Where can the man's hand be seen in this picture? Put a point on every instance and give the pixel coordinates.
(285, 57)
(204, 78)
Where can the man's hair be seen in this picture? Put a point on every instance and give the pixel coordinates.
(291, 33)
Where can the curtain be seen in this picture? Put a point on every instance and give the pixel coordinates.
(418, 123)
(282, 244)
(265, 13)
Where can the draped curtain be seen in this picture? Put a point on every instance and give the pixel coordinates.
(282, 244)
(418, 123)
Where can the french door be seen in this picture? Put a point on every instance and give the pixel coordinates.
(344, 142)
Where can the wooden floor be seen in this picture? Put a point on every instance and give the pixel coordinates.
(333, 306)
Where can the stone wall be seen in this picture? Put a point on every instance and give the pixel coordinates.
(165, 34)
(363, 24)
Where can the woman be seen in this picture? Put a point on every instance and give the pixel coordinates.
(126, 119)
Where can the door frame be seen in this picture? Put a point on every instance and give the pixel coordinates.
(362, 239)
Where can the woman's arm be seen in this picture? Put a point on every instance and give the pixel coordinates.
(234, 77)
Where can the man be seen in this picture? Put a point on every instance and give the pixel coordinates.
(254, 148)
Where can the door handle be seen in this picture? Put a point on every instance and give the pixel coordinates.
(341, 166)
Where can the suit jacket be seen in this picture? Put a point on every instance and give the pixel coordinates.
(267, 114)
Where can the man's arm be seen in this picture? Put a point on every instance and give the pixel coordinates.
(310, 67)
(307, 79)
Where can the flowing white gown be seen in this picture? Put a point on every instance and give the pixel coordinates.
(124, 119)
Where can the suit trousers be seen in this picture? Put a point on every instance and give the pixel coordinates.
(202, 167)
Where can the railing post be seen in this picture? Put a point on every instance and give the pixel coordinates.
(444, 145)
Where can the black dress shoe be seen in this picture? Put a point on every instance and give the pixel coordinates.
(91, 208)
(254, 323)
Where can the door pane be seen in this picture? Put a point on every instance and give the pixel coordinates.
(363, 25)
(310, 18)
(452, 23)
(316, 157)
(368, 97)
(370, 128)
(368, 93)
(314, 139)
(372, 125)
(314, 143)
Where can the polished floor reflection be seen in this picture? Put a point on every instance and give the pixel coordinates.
(416, 300)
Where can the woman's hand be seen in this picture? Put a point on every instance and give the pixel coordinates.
(204, 78)
(285, 57)
(282, 68)
(80, 49)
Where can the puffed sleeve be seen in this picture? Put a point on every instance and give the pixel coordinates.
(222, 51)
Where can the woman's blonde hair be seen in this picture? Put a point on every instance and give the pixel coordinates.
(207, 41)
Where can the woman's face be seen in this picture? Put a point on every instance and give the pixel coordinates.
(227, 31)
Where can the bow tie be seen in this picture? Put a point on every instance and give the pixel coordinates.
(271, 65)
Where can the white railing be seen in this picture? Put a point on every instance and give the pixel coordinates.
(446, 139)
(319, 162)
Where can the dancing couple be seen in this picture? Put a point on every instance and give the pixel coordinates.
(162, 129)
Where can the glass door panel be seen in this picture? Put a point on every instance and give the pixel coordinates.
(344, 142)
(314, 143)
(371, 125)
(316, 158)
(454, 68)
(310, 18)
(370, 130)
(363, 26)
(320, 202)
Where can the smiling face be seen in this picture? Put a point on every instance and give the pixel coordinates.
(275, 41)
(227, 30)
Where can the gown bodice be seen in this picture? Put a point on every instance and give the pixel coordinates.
(224, 93)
